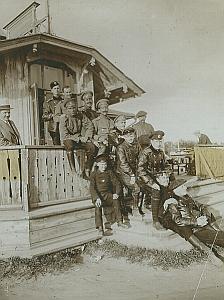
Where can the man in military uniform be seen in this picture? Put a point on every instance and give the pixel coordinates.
(76, 132)
(105, 190)
(143, 129)
(87, 98)
(49, 112)
(126, 164)
(116, 134)
(102, 126)
(60, 109)
(151, 172)
(9, 134)
(191, 220)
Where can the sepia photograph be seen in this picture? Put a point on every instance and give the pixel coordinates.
(111, 149)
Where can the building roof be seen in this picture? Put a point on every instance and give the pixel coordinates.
(43, 38)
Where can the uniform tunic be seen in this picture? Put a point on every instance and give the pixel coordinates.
(182, 219)
(49, 114)
(103, 185)
(102, 127)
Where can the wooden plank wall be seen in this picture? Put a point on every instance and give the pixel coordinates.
(14, 90)
(50, 177)
(10, 178)
(209, 162)
(61, 226)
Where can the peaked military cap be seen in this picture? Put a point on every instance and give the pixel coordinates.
(54, 83)
(85, 93)
(141, 113)
(157, 135)
(128, 130)
(68, 100)
(102, 101)
(101, 157)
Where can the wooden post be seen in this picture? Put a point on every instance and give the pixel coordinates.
(25, 178)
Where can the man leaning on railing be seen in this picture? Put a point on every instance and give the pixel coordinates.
(9, 134)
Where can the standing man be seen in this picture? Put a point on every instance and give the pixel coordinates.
(87, 98)
(127, 159)
(151, 172)
(9, 134)
(76, 132)
(102, 126)
(143, 130)
(50, 113)
(203, 139)
(105, 191)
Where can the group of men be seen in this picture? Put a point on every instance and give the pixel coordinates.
(132, 154)
(124, 165)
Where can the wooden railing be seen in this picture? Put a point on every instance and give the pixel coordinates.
(209, 161)
(33, 176)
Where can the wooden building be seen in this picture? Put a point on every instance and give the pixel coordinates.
(42, 206)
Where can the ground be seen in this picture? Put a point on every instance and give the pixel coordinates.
(110, 278)
(159, 266)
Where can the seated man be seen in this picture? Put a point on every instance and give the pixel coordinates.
(76, 132)
(87, 98)
(191, 220)
(151, 170)
(126, 164)
(203, 139)
(102, 127)
(49, 112)
(9, 134)
(105, 190)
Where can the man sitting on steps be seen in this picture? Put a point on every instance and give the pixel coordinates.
(76, 132)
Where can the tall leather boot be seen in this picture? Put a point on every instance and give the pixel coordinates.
(155, 211)
(71, 160)
(202, 247)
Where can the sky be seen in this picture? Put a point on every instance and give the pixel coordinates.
(173, 49)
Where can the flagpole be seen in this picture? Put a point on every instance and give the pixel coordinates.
(48, 17)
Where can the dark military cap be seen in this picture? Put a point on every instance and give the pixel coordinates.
(54, 83)
(102, 101)
(128, 130)
(141, 113)
(157, 135)
(85, 93)
(101, 158)
(68, 100)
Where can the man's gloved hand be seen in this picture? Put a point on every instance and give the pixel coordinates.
(83, 139)
(155, 186)
(98, 202)
(202, 221)
(163, 180)
(132, 180)
(115, 196)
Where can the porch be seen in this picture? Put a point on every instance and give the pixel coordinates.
(43, 207)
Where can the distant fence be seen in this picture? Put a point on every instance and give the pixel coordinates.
(209, 161)
(33, 176)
